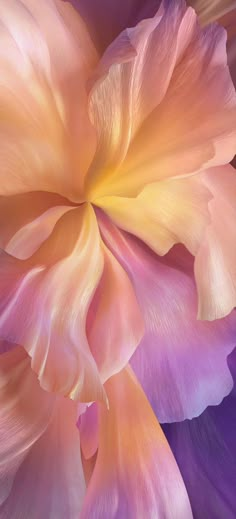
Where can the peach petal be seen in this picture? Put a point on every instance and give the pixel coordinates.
(42, 145)
(172, 125)
(215, 265)
(44, 304)
(28, 239)
(122, 98)
(25, 413)
(135, 472)
(41, 473)
(21, 210)
(174, 340)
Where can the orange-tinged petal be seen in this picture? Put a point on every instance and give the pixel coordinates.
(41, 473)
(28, 239)
(131, 80)
(25, 412)
(44, 304)
(42, 98)
(20, 210)
(191, 130)
(135, 473)
(114, 326)
(185, 126)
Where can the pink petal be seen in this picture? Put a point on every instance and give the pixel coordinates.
(40, 446)
(181, 362)
(215, 265)
(115, 325)
(37, 92)
(25, 412)
(135, 473)
(44, 304)
(88, 427)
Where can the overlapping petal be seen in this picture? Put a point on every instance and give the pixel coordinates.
(144, 136)
(44, 304)
(40, 467)
(114, 325)
(163, 117)
(198, 211)
(174, 341)
(135, 474)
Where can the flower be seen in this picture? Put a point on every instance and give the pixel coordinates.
(117, 219)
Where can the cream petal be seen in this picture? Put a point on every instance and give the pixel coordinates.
(164, 213)
(131, 80)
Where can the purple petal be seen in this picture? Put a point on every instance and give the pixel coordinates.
(205, 450)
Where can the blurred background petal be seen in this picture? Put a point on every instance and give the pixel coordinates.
(205, 450)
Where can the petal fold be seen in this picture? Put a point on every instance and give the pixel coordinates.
(215, 264)
(45, 300)
(135, 474)
(114, 325)
(174, 340)
(41, 472)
